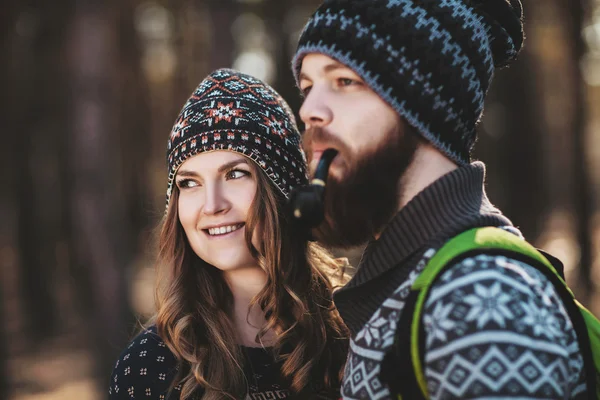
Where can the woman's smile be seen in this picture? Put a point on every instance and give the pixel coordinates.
(223, 231)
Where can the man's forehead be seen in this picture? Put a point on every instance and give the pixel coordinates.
(319, 64)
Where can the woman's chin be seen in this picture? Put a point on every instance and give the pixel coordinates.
(234, 264)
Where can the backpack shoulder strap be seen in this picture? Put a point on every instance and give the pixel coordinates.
(477, 239)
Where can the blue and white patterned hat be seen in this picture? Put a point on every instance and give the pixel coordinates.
(430, 60)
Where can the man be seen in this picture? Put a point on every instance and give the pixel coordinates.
(397, 87)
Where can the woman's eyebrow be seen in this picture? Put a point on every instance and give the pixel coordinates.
(183, 172)
(232, 164)
(224, 167)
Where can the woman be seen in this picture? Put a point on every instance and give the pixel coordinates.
(244, 307)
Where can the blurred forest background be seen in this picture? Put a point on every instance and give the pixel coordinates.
(90, 90)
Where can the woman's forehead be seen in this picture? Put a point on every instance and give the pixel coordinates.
(212, 160)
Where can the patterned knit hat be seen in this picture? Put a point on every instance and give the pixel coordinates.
(233, 111)
(431, 60)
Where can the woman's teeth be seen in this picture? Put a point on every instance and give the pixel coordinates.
(223, 229)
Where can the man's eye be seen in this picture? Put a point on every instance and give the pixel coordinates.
(186, 183)
(237, 174)
(347, 82)
(305, 91)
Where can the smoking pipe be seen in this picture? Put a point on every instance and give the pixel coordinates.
(307, 202)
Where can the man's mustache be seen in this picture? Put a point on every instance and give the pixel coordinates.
(326, 140)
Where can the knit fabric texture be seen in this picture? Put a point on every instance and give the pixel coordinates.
(233, 111)
(431, 60)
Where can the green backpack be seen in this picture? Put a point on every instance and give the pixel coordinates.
(406, 378)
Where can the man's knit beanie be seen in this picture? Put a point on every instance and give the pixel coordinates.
(430, 60)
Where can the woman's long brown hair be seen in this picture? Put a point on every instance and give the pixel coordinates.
(194, 306)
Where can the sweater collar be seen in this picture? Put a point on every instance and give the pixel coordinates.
(453, 203)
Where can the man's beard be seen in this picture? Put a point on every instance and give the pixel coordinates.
(360, 204)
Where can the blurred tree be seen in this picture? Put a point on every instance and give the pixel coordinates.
(223, 13)
(574, 12)
(274, 11)
(7, 195)
(36, 111)
(101, 231)
(514, 155)
(283, 35)
(134, 139)
(4, 389)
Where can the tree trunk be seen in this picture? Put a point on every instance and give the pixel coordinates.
(39, 118)
(8, 242)
(223, 14)
(134, 125)
(582, 185)
(100, 231)
(274, 12)
(521, 153)
(4, 388)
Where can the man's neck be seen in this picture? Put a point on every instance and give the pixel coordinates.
(245, 284)
(428, 165)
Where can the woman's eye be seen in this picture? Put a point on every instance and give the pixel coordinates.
(237, 174)
(186, 183)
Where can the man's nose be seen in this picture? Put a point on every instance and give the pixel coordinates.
(315, 111)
